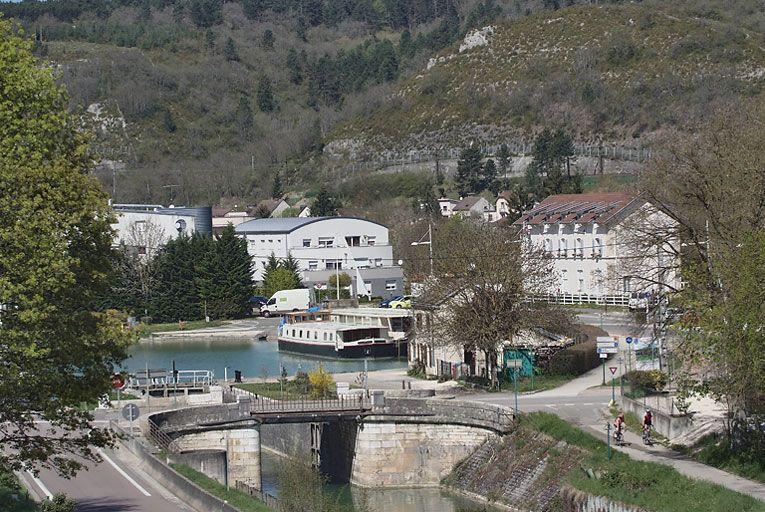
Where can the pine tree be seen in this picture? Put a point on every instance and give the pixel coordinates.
(267, 41)
(324, 205)
(225, 276)
(265, 95)
(292, 265)
(276, 188)
(504, 161)
(469, 170)
(244, 117)
(229, 51)
(174, 293)
(209, 39)
(294, 67)
(488, 174)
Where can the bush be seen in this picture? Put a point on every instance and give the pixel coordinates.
(574, 360)
(58, 503)
(648, 379)
(321, 383)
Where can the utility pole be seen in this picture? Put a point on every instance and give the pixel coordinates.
(429, 243)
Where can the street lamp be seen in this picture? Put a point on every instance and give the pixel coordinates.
(429, 243)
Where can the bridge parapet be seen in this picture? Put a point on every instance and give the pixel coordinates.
(452, 412)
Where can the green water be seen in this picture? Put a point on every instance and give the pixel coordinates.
(380, 500)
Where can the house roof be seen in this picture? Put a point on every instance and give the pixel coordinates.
(467, 203)
(600, 207)
(220, 211)
(277, 225)
(271, 204)
(302, 204)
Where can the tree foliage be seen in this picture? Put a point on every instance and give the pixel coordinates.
(281, 275)
(483, 277)
(324, 205)
(549, 172)
(225, 276)
(55, 255)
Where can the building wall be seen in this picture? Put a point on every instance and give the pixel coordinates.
(382, 282)
(149, 230)
(261, 246)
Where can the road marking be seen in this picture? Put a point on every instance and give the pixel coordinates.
(551, 406)
(41, 485)
(122, 472)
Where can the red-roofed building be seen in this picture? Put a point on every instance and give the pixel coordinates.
(592, 239)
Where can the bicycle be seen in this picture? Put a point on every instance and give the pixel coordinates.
(618, 437)
(647, 436)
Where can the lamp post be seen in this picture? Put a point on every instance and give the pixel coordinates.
(429, 243)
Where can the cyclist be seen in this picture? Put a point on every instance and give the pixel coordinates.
(647, 424)
(619, 427)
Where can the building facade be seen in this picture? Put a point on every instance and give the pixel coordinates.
(145, 228)
(594, 242)
(325, 246)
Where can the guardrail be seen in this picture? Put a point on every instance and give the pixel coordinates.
(344, 403)
(159, 437)
(583, 298)
(269, 500)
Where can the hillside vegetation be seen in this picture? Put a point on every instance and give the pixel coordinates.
(613, 73)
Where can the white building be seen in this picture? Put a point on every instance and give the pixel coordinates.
(222, 217)
(322, 245)
(145, 228)
(446, 205)
(592, 239)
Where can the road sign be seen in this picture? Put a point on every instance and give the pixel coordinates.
(604, 339)
(613, 369)
(603, 356)
(118, 381)
(130, 412)
(607, 344)
(628, 339)
(515, 363)
(608, 350)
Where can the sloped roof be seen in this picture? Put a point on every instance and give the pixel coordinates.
(467, 203)
(220, 211)
(274, 225)
(600, 207)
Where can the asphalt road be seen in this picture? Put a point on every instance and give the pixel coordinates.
(115, 485)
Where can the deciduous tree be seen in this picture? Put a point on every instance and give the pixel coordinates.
(56, 351)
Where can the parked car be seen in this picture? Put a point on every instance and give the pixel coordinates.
(256, 302)
(285, 301)
(403, 302)
(386, 303)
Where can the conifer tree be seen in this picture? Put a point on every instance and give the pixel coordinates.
(503, 161)
(267, 41)
(265, 95)
(225, 276)
(229, 51)
(469, 170)
(277, 191)
(324, 205)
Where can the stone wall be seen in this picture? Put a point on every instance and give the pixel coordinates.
(287, 438)
(392, 454)
(578, 501)
(670, 426)
(208, 462)
(242, 447)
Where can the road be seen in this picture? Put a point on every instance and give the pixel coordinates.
(115, 485)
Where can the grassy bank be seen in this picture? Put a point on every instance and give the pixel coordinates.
(715, 451)
(645, 484)
(146, 329)
(291, 390)
(235, 498)
(13, 497)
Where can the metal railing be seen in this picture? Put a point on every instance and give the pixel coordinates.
(584, 298)
(159, 437)
(343, 403)
(269, 500)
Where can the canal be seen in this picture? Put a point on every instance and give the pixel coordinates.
(380, 500)
(255, 359)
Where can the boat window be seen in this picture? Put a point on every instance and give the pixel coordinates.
(325, 336)
(316, 335)
(330, 336)
(301, 333)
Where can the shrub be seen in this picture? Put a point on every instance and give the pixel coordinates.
(648, 379)
(574, 360)
(58, 503)
(321, 382)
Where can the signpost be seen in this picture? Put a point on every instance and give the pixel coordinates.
(131, 412)
(119, 383)
(613, 395)
(514, 365)
(628, 339)
(606, 345)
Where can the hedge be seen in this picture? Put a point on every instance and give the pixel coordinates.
(574, 360)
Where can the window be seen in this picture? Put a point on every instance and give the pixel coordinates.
(562, 248)
(579, 248)
(564, 276)
(270, 241)
(316, 335)
(301, 333)
(313, 265)
(263, 263)
(293, 333)
(548, 245)
(390, 285)
(627, 284)
(353, 241)
(325, 336)
(371, 240)
(306, 242)
(334, 265)
(142, 250)
(580, 277)
(597, 251)
(331, 335)
(326, 241)
(378, 262)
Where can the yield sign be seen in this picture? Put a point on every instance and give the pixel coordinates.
(613, 369)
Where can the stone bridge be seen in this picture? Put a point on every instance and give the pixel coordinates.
(396, 442)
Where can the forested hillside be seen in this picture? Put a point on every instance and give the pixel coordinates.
(198, 100)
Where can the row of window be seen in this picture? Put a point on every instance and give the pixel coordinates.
(578, 251)
(350, 241)
(328, 336)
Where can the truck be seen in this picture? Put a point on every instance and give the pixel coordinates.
(285, 301)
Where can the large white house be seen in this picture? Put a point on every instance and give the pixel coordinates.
(145, 228)
(595, 243)
(323, 245)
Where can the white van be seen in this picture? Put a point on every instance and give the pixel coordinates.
(285, 301)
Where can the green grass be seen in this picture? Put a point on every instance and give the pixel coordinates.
(235, 498)
(146, 329)
(646, 484)
(714, 450)
(292, 390)
(13, 497)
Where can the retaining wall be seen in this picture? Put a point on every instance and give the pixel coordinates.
(670, 426)
(208, 462)
(578, 501)
(186, 490)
